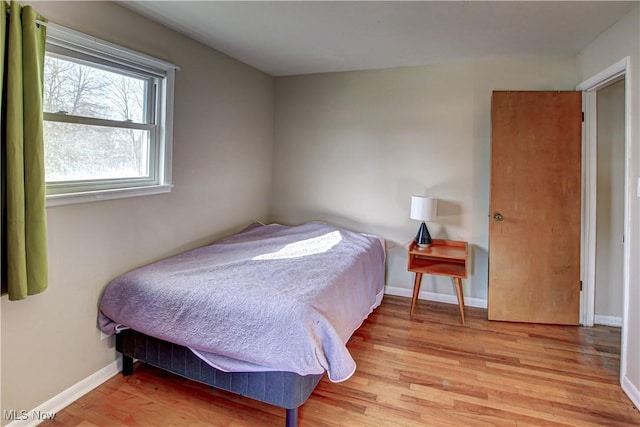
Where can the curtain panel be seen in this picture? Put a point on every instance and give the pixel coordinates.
(24, 229)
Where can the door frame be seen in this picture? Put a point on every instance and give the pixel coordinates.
(589, 89)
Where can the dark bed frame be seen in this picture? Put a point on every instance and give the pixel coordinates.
(284, 389)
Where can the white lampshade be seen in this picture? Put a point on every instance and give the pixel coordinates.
(424, 208)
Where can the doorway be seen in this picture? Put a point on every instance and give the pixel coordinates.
(609, 204)
(590, 88)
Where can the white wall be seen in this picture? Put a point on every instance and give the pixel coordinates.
(222, 175)
(610, 203)
(351, 148)
(618, 42)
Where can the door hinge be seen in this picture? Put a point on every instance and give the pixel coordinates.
(580, 284)
(583, 116)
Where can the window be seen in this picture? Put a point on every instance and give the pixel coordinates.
(107, 120)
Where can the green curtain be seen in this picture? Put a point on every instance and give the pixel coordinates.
(24, 228)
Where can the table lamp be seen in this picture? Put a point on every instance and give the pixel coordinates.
(423, 209)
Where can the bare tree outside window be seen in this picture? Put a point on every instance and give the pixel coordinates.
(80, 151)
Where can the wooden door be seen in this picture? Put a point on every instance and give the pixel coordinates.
(534, 231)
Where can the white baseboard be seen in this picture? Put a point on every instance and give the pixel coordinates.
(631, 391)
(608, 320)
(432, 296)
(49, 408)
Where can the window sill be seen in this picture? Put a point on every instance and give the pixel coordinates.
(97, 196)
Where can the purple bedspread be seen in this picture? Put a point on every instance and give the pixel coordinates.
(272, 297)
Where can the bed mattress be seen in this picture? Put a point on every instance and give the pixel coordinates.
(271, 298)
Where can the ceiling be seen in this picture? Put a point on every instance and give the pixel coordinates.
(286, 38)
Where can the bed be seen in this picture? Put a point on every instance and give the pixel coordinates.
(264, 313)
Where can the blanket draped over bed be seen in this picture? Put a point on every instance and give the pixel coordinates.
(272, 297)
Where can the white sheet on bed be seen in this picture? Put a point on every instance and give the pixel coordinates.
(272, 297)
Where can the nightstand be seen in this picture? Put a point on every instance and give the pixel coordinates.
(442, 258)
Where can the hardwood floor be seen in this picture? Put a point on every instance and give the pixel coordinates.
(429, 371)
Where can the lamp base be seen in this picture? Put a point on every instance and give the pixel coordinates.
(423, 238)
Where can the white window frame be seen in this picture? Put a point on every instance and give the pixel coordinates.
(60, 40)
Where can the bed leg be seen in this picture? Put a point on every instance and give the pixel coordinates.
(127, 365)
(292, 417)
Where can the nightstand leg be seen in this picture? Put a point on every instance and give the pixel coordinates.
(458, 283)
(416, 291)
